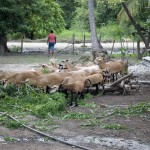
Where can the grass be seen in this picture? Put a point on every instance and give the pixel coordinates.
(79, 116)
(114, 126)
(9, 123)
(67, 36)
(133, 110)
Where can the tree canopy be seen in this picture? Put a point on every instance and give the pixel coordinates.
(11, 15)
(30, 17)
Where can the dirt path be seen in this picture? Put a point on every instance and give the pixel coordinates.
(43, 46)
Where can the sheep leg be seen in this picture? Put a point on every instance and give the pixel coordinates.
(81, 95)
(116, 75)
(75, 100)
(97, 89)
(76, 97)
(46, 89)
(66, 93)
(113, 77)
(103, 88)
(71, 99)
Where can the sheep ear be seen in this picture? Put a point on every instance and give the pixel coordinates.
(67, 60)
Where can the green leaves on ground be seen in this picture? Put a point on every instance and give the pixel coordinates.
(39, 103)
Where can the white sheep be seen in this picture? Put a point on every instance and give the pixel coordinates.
(68, 67)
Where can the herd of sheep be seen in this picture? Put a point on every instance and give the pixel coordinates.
(67, 77)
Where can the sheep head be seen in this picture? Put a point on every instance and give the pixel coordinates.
(87, 83)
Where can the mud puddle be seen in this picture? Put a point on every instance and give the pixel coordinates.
(96, 141)
(108, 142)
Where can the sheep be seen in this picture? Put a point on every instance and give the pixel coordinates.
(89, 64)
(113, 67)
(19, 77)
(69, 67)
(52, 67)
(6, 74)
(47, 81)
(75, 87)
(94, 80)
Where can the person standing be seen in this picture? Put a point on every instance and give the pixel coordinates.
(51, 41)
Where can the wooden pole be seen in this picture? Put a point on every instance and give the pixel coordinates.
(73, 41)
(84, 42)
(22, 36)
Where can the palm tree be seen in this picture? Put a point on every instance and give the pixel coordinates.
(95, 42)
(131, 9)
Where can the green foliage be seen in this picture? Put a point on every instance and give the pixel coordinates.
(9, 123)
(96, 122)
(9, 139)
(66, 35)
(140, 11)
(34, 18)
(79, 115)
(111, 31)
(133, 110)
(106, 11)
(69, 10)
(11, 15)
(15, 49)
(114, 126)
(41, 16)
(39, 103)
(81, 19)
(92, 123)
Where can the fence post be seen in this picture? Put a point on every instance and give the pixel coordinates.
(22, 36)
(73, 41)
(84, 42)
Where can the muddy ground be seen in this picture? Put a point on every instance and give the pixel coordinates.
(134, 136)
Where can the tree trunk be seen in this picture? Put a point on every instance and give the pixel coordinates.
(137, 27)
(3, 44)
(94, 39)
(138, 50)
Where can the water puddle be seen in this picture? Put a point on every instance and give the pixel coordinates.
(2, 139)
(117, 143)
(108, 142)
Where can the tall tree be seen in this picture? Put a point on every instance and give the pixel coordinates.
(68, 7)
(94, 39)
(137, 9)
(30, 17)
(41, 16)
(11, 17)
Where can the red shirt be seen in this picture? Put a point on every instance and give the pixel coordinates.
(52, 37)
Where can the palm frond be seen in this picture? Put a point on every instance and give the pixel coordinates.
(133, 7)
(144, 3)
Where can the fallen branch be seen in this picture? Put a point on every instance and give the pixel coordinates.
(144, 82)
(46, 135)
(121, 79)
(124, 85)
